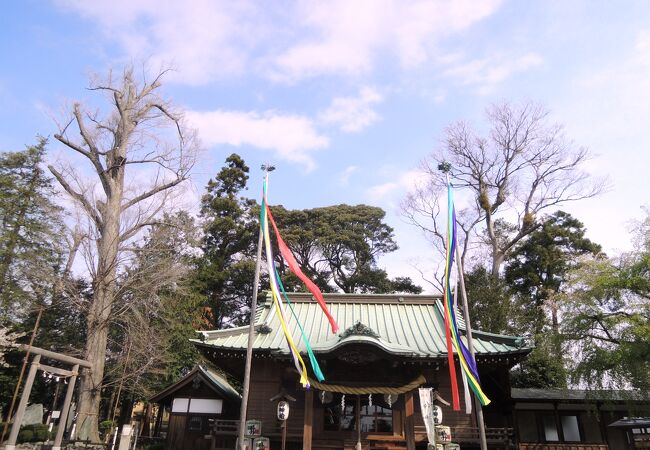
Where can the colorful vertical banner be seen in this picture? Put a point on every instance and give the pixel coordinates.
(278, 293)
(467, 362)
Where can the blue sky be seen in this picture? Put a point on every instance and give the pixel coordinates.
(346, 97)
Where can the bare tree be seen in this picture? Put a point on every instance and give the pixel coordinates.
(523, 165)
(422, 208)
(141, 138)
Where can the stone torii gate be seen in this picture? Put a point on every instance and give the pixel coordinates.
(24, 398)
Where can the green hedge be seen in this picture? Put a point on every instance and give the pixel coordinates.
(25, 435)
(106, 427)
(156, 446)
(35, 433)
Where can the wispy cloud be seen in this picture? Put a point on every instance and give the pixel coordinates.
(291, 137)
(202, 39)
(344, 177)
(210, 39)
(344, 37)
(353, 114)
(486, 73)
(398, 184)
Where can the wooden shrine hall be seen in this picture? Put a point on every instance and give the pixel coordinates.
(386, 343)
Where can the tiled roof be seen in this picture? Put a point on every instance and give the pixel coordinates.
(215, 381)
(406, 325)
(535, 394)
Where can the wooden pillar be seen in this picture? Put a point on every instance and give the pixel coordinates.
(66, 408)
(601, 423)
(357, 418)
(158, 421)
(146, 423)
(309, 417)
(53, 407)
(409, 421)
(24, 398)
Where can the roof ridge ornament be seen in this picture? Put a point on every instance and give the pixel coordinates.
(263, 328)
(359, 329)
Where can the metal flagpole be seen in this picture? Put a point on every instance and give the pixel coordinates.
(251, 330)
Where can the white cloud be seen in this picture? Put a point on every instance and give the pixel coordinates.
(399, 184)
(344, 177)
(208, 39)
(291, 137)
(201, 39)
(346, 37)
(488, 72)
(353, 114)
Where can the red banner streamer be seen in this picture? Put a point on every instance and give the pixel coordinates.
(295, 268)
(455, 398)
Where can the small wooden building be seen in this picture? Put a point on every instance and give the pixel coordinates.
(637, 431)
(189, 408)
(572, 419)
(385, 341)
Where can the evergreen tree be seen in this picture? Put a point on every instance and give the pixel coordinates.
(226, 269)
(537, 272)
(30, 230)
(30, 255)
(490, 306)
(338, 247)
(538, 268)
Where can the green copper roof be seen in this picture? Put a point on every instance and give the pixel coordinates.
(402, 325)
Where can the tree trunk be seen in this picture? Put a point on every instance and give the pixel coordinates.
(497, 261)
(99, 314)
(557, 345)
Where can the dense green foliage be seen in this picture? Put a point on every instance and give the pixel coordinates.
(30, 230)
(541, 369)
(31, 258)
(537, 271)
(538, 268)
(225, 271)
(608, 318)
(490, 307)
(338, 246)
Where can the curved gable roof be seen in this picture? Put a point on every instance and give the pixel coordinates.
(402, 325)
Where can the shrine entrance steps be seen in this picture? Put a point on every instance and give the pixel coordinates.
(366, 444)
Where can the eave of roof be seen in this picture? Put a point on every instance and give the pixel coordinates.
(402, 325)
(633, 422)
(214, 380)
(576, 395)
